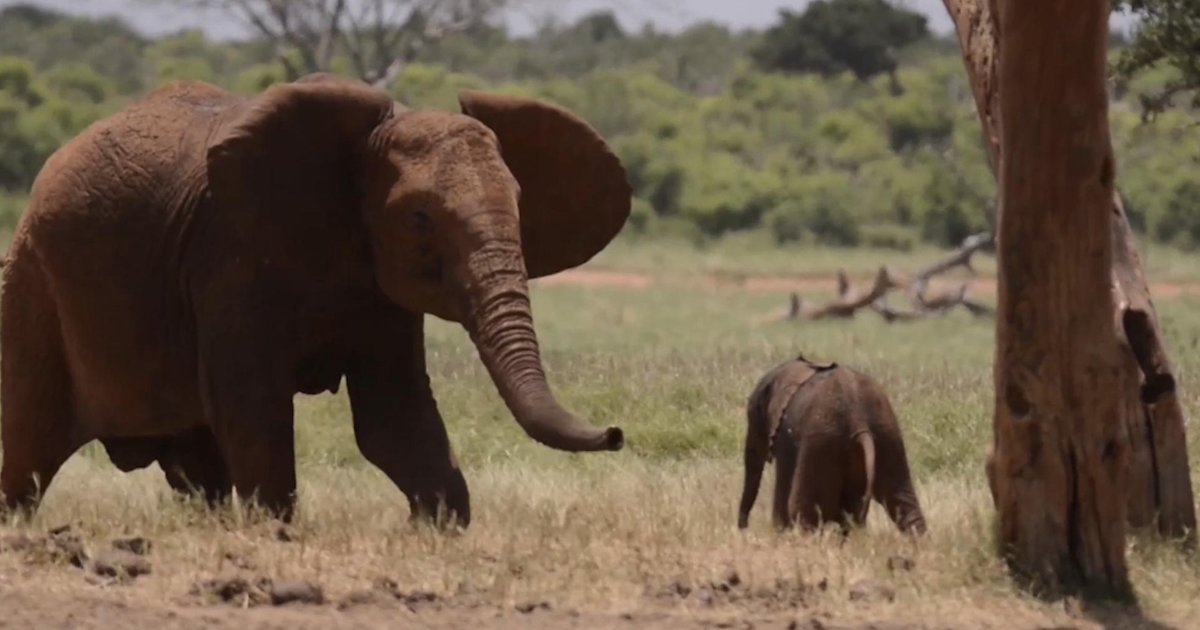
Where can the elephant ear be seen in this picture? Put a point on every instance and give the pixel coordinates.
(575, 196)
(828, 365)
(296, 145)
(788, 381)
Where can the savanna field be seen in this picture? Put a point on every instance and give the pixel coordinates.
(762, 158)
(667, 342)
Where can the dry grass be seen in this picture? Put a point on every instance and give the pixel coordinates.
(617, 533)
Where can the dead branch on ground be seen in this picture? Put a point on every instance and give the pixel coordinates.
(924, 301)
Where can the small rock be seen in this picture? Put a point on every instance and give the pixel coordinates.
(121, 564)
(132, 544)
(732, 578)
(529, 607)
(301, 592)
(416, 598)
(704, 595)
(16, 542)
(823, 585)
(231, 590)
(238, 561)
(65, 545)
(869, 591)
(901, 563)
(358, 598)
(728, 582)
(99, 580)
(387, 585)
(678, 589)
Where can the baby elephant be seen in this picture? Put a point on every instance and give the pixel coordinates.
(836, 443)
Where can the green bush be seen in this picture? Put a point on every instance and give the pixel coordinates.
(1180, 224)
(889, 236)
(817, 208)
(11, 208)
(832, 153)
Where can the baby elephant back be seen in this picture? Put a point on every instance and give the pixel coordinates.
(790, 377)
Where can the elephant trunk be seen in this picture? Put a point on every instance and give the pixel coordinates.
(500, 322)
(905, 509)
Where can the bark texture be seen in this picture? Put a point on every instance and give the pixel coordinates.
(1061, 437)
(1159, 490)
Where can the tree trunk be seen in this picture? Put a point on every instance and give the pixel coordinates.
(1160, 489)
(1061, 439)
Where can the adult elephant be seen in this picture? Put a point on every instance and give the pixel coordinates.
(189, 264)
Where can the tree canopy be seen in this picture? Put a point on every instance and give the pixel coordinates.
(832, 36)
(1167, 42)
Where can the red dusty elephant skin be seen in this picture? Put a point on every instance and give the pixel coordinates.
(836, 445)
(190, 263)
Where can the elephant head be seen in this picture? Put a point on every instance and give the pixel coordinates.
(460, 209)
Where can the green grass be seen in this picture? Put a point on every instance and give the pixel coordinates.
(754, 253)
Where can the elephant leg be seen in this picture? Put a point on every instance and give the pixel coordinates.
(194, 464)
(900, 501)
(398, 427)
(785, 473)
(256, 433)
(38, 427)
(816, 493)
(754, 459)
(259, 442)
(893, 479)
(856, 497)
(247, 394)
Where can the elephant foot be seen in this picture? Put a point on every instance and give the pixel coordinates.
(448, 507)
(194, 465)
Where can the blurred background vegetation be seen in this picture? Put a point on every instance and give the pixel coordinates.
(847, 123)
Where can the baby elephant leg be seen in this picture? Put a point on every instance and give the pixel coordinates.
(816, 488)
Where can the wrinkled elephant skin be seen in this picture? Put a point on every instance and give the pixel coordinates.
(836, 444)
(189, 264)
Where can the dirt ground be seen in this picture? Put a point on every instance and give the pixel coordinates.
(88, 609)
(22, 610)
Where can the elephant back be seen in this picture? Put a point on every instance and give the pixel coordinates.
(789, 378)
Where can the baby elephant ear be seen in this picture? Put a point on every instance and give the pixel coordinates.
(575, 197)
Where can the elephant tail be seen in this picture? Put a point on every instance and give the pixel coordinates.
(867, 442)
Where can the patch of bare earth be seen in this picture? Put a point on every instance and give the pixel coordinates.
(572, 554)
(86, 612)
(60, 601)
